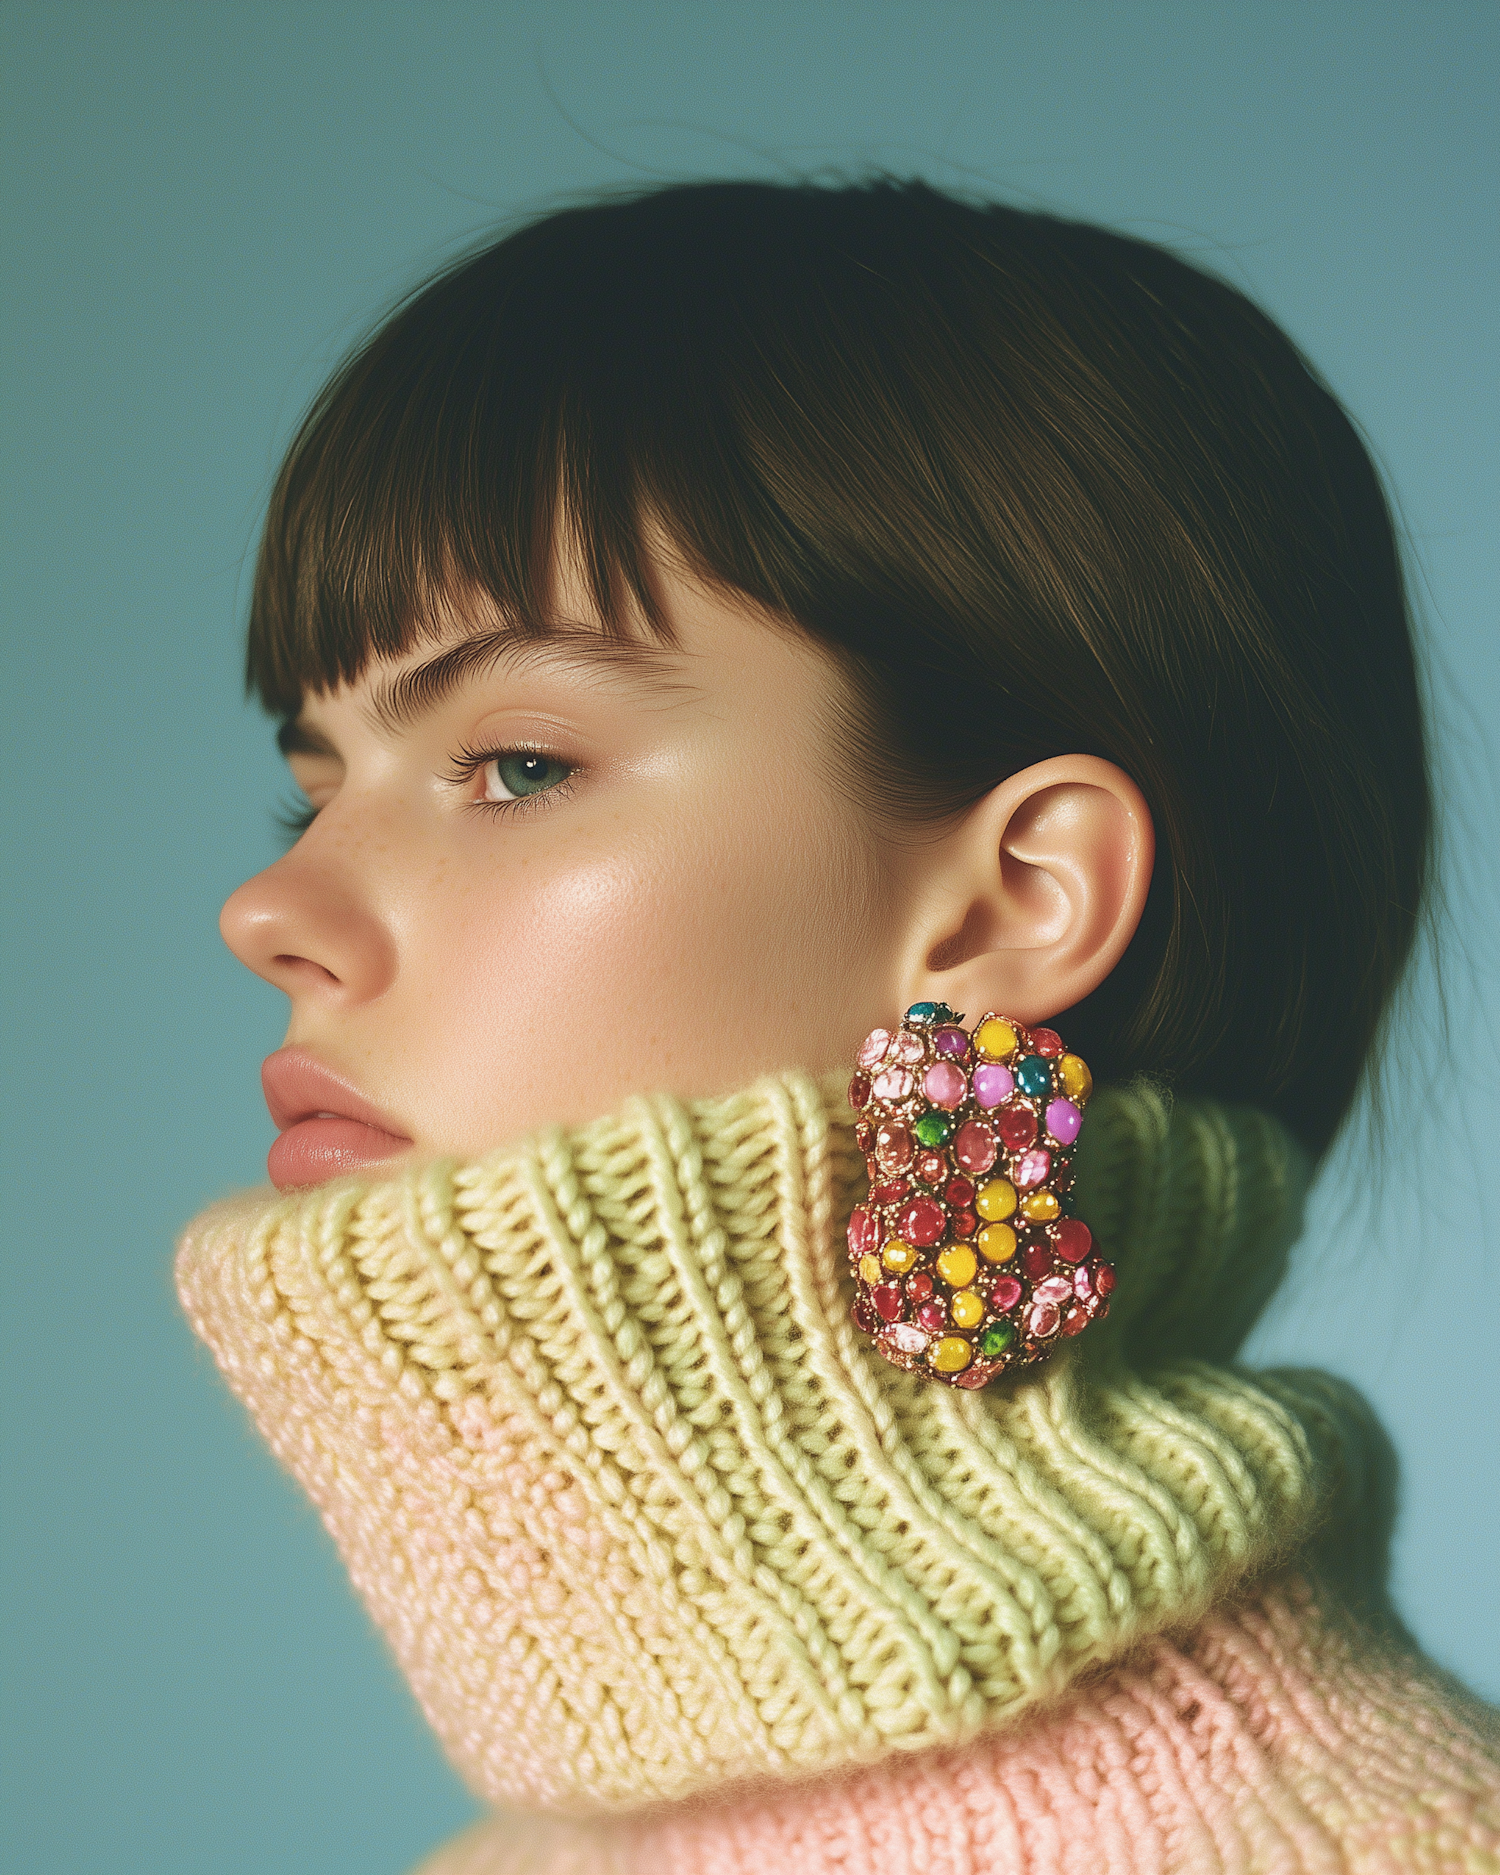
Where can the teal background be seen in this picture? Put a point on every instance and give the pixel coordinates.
(203, 204)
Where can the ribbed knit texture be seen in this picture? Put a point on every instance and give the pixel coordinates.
(644, 1517)
(1272, 1741)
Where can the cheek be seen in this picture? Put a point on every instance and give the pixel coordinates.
(693, 957)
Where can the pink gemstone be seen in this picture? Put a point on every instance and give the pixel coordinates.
(964, 1223)
(944, 1085)
(1063, 1121)
(951, 1042)
(892, 1191)
(1075, 1319)
(1104, 1278)
(1031, 1169)
(1054, 1289)
(859, 1090)
(974, 1148)
(1046, 1042)
(931, 1166)
(1017, 1126)
(992, 1084)
(1006, 1292)
(865, 1316)
(974, 1376)
(864, 1231)
(1083, 1283)
(919, 1287)
(1072, 1239)
(893, 1143)
(959, 1191)
(872, 1048)
(921, 1221)
(906, 1338)
(932, 1316)
(1037, 1259)
(887, 1300)
(893, 1084)
(910, 1047)
(1042, 1319)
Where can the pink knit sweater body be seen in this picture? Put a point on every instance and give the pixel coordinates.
(1274, 1740)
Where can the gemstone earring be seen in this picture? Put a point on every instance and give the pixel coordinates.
(966, 1253)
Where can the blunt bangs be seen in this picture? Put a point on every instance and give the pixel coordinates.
(1043, 488)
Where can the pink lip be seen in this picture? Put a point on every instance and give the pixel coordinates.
(326, 1127)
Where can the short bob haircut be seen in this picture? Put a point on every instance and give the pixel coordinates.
(1038, 487)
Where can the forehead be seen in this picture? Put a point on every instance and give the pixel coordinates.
(711, 646)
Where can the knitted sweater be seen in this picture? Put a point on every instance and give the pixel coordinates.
(660, 1543)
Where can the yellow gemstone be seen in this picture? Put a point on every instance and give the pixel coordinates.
(996, 1200)
(1077, 1082)
(869, 1269)
(997, 1243)
(899, 1256)
(996, 1038)
(951, 1355)
(956, 1265)
(1040, 1206)
(967, 1309)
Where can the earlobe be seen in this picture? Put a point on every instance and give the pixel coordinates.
(1034, 897)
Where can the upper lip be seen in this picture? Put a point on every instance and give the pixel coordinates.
(299, 1087)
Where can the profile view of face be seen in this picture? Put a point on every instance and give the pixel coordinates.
(543, 874)
(552, 872)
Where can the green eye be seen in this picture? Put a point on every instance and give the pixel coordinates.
(512, 777)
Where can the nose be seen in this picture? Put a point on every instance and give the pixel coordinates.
(309, 933)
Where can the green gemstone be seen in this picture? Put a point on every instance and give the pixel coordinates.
(996, 1339)
(933, 1129)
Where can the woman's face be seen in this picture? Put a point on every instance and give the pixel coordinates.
(546, 874)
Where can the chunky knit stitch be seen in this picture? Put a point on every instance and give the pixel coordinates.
(644, 1518)
(1275, 1740)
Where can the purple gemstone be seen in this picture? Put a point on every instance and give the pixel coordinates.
(993, 1084)
(951, 1042)
(1063, 1121)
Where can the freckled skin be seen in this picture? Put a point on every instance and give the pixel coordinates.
(704, 899)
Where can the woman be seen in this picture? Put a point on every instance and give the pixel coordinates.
(704, 626)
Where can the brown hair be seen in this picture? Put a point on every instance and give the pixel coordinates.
(1041, 487)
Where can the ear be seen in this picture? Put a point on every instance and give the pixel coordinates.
(1029, 902)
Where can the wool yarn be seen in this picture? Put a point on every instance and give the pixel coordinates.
(642, 1514)
(1277, 1738)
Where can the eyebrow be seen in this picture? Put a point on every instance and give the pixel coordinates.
(400, 701)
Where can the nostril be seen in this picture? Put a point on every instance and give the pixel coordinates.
(296, 966)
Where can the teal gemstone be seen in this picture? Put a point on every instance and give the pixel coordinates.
(933, 1129)
(996, 1339)
(925, 1014)
(1034, 1076)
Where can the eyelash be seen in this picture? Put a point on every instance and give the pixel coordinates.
(466, 762)
(463, 766)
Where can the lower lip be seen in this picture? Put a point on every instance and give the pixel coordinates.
(314, 1150)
